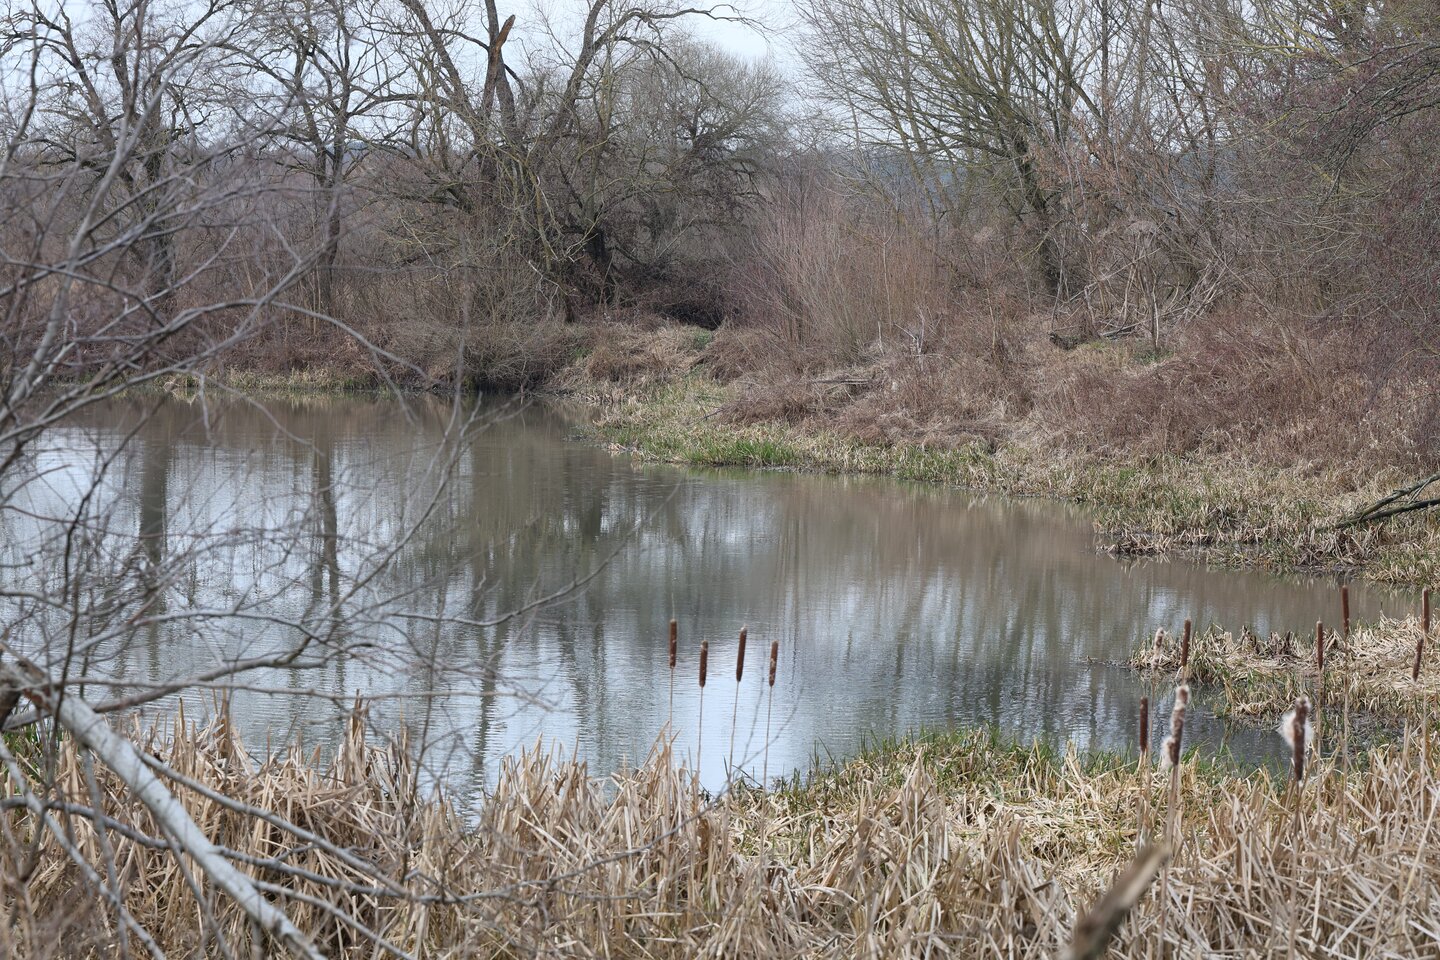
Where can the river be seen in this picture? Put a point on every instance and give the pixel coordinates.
(896, 606)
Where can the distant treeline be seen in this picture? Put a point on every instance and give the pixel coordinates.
(457, 184)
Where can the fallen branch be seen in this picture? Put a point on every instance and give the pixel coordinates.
(1392, 505)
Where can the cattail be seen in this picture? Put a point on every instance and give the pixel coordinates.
(769, 707)
(700, 721)
(674, 637)
(1424, 633)
(739, 672)
(1297, 731)
(1171, 747)
(1142, 834)
(1319, 649)
(1144, 726)
(1345, 612)
(1185, 651)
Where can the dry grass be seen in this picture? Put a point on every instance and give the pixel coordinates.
(950, 845)
(1261, 676)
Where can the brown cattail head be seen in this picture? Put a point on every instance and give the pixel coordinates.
(1345, 612)
(1299, 733)
(1144, 725)
(704, 660)
(774, 659)
(740, 654)
(674, 636)
(1185, 648)
(1319, 648)
(1171, 747)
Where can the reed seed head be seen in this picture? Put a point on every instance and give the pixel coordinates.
(1345, 611)
(704, 660)
(674, 636)
(1171, 748)
(1299, 733)
(740, 654)
(774, 659)
(1185, 648)
(1319, 648)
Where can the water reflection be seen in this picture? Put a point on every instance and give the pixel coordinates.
(896, 606)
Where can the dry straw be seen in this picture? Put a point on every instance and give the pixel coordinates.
(1000, 856)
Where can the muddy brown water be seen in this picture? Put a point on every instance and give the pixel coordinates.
(897, 606)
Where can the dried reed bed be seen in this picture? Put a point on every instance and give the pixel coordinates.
(1372, 670)
(956, 844)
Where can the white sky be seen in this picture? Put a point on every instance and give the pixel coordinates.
(769, 38)
(775, 17)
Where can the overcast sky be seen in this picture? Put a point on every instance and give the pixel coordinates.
(777, 18)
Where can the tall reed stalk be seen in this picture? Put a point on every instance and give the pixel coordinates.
(765, 763)
(700, 720)
(674, 643)
(1185, 653)
(1319, 675)
(1296, 729)
(1415, 678)
(1172, 752)
(769, 707)
(1143, 769)
(1424, 634)
(739, 672)
(1345, 614)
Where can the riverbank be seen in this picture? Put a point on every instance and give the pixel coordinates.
(660, 398)
(1254, 488)
(951, 843)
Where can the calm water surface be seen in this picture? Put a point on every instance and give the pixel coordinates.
(896, 606)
